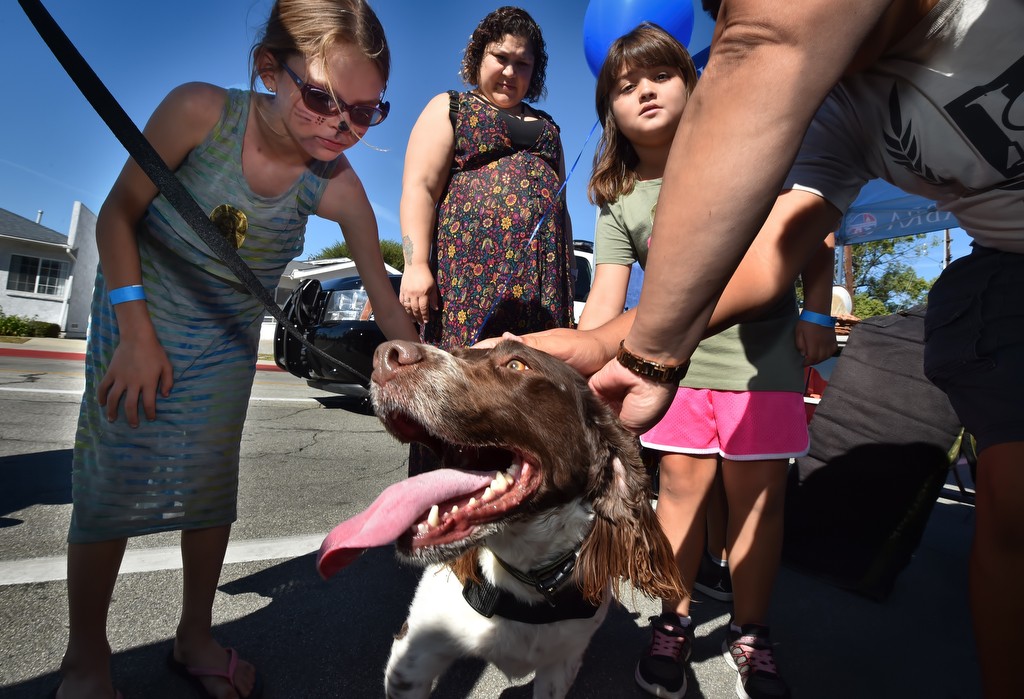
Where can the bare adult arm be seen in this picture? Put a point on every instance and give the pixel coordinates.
(428, 159)
(770, 68)
(345, 202)
(139, 366)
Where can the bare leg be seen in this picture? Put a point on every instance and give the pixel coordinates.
(684, 482)
(202, 553)
(92, 572)
(756, 493)
(717, 519)
(997, 567)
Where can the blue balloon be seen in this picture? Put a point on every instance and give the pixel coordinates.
(607, 20)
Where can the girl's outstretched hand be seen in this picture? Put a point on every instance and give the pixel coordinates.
(640, 403)
(138, 369)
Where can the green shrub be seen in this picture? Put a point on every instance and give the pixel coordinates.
(19, 326)
(39, 328)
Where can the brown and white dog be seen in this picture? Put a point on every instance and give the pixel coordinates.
(540, 510)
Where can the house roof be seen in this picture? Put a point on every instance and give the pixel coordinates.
(14, 226)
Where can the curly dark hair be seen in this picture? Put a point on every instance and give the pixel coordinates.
(494, 27)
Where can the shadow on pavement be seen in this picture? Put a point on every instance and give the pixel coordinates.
(313, 638)
(41, 478)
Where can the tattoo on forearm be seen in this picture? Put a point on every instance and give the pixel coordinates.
(407, 248)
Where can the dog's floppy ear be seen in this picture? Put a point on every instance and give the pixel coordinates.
(626, 540)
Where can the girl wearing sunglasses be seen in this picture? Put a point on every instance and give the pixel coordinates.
(173, 341)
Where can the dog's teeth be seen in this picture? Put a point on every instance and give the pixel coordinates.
(472, 501)
(499, 484)
(455, 508)
(422, 528)
(488, 495)
(516, 468)
(434, 518)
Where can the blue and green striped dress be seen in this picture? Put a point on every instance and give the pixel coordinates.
(181, 470)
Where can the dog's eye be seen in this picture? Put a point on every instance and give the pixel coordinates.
(516, 365)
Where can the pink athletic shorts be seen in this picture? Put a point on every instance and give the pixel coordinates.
(739, 425)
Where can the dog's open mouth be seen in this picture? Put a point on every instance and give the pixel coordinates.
(477, 485)
(457, 518)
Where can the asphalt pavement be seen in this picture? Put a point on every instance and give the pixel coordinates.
(314, 638)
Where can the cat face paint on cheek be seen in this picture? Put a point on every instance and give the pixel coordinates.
(320, 120)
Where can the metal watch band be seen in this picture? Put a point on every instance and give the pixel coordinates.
(655, 371)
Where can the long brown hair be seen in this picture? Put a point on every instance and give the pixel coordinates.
(615, 160)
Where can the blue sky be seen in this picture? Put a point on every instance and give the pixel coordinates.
(56, 150)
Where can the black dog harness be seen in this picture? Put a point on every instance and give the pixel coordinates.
(564, 601)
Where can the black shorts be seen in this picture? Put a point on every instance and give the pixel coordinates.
(974, 343)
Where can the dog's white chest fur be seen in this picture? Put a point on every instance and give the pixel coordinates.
(442, 626)
(514, 647)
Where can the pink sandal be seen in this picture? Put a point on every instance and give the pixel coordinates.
(193, 675)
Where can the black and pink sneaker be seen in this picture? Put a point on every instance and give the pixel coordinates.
(749, 652)
(662, 672)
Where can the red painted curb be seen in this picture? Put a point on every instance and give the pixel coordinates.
(80, 356)
(40, 354)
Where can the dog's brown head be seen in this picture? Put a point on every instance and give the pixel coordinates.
(518, 432)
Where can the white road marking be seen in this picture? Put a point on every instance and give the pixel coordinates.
(36, 570)
(42, 390)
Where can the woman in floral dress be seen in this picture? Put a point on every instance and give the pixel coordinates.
(487, 239)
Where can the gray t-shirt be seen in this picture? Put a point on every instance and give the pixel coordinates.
(939, 115)
(753, 356)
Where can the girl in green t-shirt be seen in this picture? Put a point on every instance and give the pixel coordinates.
(741, 403)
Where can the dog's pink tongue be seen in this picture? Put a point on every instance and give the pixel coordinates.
(392, 513)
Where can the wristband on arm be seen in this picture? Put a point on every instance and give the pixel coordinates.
(818, 319)
(123, 294)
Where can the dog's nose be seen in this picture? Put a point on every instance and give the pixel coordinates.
(390, 357)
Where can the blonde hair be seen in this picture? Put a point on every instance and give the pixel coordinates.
(615, 160)
(311, 28)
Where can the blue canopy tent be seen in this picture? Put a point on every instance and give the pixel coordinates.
(885, 211)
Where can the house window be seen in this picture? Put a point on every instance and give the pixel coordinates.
(37, 275)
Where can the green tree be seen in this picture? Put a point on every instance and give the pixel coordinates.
(389, 249)
(883, 281)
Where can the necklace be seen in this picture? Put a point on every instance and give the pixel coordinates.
(521, 115)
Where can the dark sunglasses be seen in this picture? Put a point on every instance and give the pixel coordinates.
(320, 101)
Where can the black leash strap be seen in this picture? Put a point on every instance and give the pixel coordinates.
(143, 153)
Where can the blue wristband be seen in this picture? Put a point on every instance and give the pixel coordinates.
(818, 319)
(127, 293)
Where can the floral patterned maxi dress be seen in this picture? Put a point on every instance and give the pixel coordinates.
(494, 273)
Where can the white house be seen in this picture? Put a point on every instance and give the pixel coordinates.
(48, 276)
